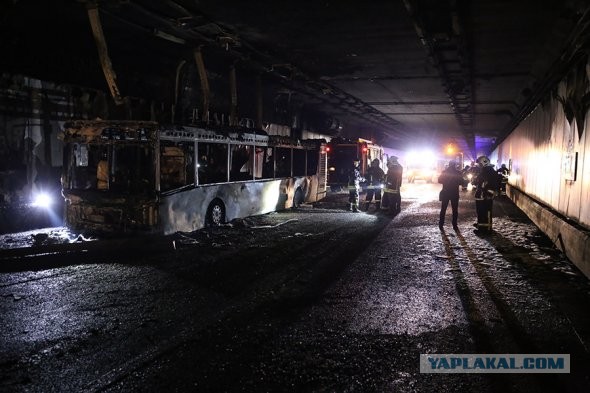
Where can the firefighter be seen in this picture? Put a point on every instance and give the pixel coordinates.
(451, 179)
(354, 185)
(503, 172)
(465, 174)
(393, 181)
(375, 177)
(474, 172)
(486, 184)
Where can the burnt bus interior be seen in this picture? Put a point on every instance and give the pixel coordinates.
(109, 180)
(128, 166)
(100, 157)
(117, 168)
(221, 161)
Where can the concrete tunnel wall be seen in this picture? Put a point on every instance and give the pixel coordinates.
(549, 158)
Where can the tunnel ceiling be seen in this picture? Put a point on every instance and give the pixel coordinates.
(400, 71)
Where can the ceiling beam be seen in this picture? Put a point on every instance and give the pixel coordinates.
(459, 86)
(261, 62)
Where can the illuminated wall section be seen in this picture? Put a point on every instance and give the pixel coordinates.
(542, 151)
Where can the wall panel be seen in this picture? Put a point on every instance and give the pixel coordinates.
(540, 148)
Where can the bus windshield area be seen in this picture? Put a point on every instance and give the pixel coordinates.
(116, 167)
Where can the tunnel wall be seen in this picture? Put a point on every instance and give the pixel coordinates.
(573, 240)
(549, 157)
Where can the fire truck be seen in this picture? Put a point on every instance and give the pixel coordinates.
(342, 152)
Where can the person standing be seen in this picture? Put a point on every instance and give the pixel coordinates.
(486, 184)
(451, 179)
(465, 173)
(392, 198)
(375, 177)
(354, 186)
(474, 172)
(503, 172)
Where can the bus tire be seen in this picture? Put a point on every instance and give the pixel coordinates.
(215, 213)
(297, 198)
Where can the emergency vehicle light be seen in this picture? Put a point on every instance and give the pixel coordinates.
(42, 200)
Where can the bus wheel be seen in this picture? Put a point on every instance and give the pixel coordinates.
(215, 213)
(297, 198)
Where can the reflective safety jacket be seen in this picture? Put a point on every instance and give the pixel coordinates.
(355, 178)
(487, 183)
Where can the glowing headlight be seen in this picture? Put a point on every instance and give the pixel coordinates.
(381, 185)
(332, 169)
(42, 200)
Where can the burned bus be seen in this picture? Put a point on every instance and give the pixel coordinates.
(126, 176)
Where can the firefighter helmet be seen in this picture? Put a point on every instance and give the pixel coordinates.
(483, 161)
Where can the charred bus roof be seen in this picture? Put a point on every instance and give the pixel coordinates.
(106, 132)
(103, 131)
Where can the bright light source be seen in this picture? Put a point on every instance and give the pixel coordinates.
(42, 200)
(429, 158)
(424, 158)
(412, 157)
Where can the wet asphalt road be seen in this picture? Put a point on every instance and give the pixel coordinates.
(312, 300)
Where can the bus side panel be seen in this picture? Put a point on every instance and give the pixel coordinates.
(309, 185)
(186, 211)
(251, 198)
